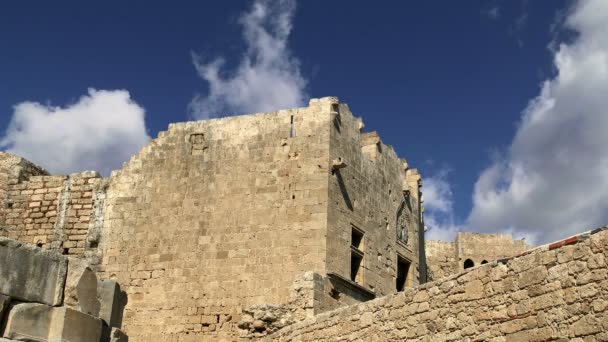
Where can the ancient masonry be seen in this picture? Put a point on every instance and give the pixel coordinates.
(45, 296)
(468, 250)
(278, 226)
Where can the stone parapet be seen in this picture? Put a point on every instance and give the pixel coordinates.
(553, 292)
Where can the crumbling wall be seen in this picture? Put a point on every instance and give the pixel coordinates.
(53, 212)
(45, 296)
(376, 194)
(553, 292)
(445, 258)
(440, 258)
(481, 248)
(216, 217)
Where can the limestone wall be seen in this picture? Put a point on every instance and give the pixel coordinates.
(53, 212)
(217, 216)
(368, 195)
(554, 292)
(445, 258)
(486, 247)
(440, 258)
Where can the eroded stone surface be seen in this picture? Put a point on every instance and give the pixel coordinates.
(112, 301)
(81, 287)
(31, 274)
(39, 322)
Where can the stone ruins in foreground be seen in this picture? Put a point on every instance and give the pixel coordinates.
(289, 225)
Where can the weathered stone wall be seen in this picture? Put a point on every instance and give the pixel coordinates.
(234, 227)
(368, 195)
(215, 217)
(486, 247)
(55, 212)
(445, 258)
(440, 258)
(554, 292)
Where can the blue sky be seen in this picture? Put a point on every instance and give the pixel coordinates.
(446, 83)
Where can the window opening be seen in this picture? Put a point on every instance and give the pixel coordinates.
(403, 268)
(468, 263)
(357, 245)
(291, 128)
(484, 262)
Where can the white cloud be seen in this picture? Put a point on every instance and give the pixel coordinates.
(99, 132)
(438, 208)
(493, 12)
(552, 182)
(267, 78)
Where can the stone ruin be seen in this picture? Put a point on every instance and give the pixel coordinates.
(289, 225)
(468, 250)
(45, 296)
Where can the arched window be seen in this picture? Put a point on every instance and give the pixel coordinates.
(468, 263)
(484, 262)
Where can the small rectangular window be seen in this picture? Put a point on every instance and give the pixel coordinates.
(403, 268)
(356, 255)
(357, 238)
(355, 264)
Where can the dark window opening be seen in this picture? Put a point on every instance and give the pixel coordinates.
(39, 245)
(9, 205)
(356, 254)
(403, 268)
(355, 264)
(65, 251)
(291, 128)
(468, 263)
(357, 238)
(484, 262)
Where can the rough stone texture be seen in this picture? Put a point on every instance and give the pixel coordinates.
(112, 301)
(53, 212)
(446, 258)
(31, 274)
(553, 292)
(39, 322)
(197, 225)
(81, 287)
(377, 194)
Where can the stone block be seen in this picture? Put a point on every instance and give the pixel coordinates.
(39, 322)
(112, 301)
(31, 274)
(81, 287)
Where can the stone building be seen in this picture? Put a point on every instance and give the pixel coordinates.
(235, 226)
(469, 250)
